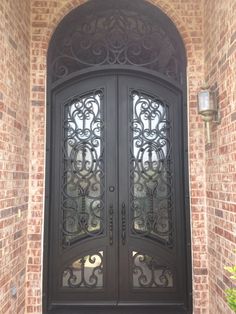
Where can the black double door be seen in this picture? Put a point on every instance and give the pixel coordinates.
(117, 223)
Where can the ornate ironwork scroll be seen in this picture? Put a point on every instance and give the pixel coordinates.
(86, 272)
(115, 33)
(83, 177)
(148, 272)
(150, 167)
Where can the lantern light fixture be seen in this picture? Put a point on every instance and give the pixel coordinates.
(207, 107)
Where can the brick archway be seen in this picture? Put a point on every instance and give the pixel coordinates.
(43, 26)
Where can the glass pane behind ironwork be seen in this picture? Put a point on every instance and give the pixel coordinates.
(150, 162)
(148, 272)
(86, 272)
(83, 184)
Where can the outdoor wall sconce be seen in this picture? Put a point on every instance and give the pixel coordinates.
(207, 107)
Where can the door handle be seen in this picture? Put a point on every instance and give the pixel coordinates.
(123, 223)
(111, 224)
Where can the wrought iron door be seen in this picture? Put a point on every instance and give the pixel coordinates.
(116, 203)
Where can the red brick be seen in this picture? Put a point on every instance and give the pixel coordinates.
(15, 116)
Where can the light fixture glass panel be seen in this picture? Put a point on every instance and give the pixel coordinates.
(203, 101)
(206, 102)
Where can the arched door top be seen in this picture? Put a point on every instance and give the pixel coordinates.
(105, 33)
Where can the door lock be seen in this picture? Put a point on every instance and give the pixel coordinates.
(111, 188)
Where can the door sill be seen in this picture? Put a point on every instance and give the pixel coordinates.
(121, 308)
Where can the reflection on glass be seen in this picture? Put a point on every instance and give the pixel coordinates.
(83, 185)
(148, 272)
(150, 167)
(86, 272)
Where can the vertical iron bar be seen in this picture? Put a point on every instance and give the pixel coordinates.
(123, 223)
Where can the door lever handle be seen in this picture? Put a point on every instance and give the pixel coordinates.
(123, 223)
(111, 224)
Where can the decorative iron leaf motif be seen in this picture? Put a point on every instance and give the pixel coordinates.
(83, 177)
(86, 272)
(148, 272)
(150, 167)
(115, 33)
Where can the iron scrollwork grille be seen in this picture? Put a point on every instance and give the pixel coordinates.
(86, 272)
(83, 177)
(151, 199)
(119, 33)
(149, 272)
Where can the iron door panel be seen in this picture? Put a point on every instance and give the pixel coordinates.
(151, 195)
(83, 245)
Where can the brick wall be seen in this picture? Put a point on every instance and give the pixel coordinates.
(14, 150)
(208, 30)
(220, 72)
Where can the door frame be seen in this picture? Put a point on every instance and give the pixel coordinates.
(105, 71)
